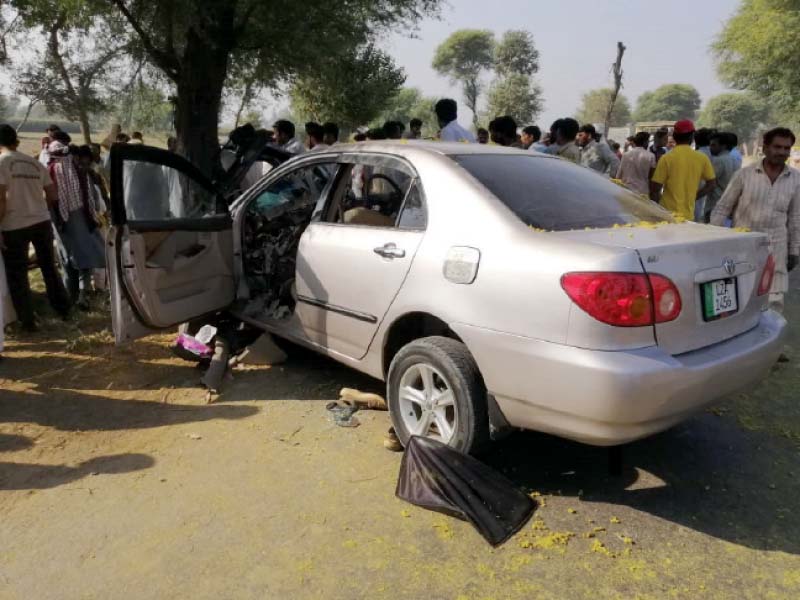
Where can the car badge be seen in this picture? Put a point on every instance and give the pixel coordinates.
(729, 265)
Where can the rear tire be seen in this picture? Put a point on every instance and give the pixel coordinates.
(434, 389)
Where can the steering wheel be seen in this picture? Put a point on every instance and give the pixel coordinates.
(388, 180)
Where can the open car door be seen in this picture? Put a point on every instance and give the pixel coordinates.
(170, 247)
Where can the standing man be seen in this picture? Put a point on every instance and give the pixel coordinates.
(314, 136)
(414, 129)
(447, 113)
(25, 193)
(637, 165)
(765, 197)
(660, 140)
(564, 132)
(330, 133)
(596, 155)
(504, 132)
(724, 167)
(737, 156)
(284, 136)
(530, 136)
(680, 173)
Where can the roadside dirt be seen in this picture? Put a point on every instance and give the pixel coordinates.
(118, 481)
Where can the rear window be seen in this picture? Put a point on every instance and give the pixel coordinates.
(557, 195)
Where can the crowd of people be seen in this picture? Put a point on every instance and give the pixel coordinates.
(56, 202)
(60, 199)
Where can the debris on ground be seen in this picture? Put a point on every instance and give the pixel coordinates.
(391, 441)
(343, 415)
(350, 402)
(364, 400)
(440, 478)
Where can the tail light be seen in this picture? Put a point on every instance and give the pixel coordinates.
(624, 299)
(765, 283)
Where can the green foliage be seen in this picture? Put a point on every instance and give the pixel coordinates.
(407, 104)
(463, 57)
(516, 95)
(144, 107)
(350, 90)
(740, 113)
(595, 104)
(758, 51)
(516, 53)
(669, 102)
(465, 54)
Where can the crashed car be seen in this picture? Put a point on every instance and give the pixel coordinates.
(489, 287)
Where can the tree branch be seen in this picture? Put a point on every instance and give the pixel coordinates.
(168, 62)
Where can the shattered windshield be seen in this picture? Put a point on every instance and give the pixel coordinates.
(557, 195)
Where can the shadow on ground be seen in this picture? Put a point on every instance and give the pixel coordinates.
(707, 475)
(23, 476)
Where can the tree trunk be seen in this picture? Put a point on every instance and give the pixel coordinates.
(199, 97)
(245, 101)
(616, 69)
(471, 93)
(27, 115)
(86, 128)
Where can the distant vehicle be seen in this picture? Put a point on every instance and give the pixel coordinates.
(487, 286)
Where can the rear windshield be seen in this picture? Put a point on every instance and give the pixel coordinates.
(557, 195)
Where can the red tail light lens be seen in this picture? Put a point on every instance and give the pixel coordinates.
(624, 299)
(765, 283)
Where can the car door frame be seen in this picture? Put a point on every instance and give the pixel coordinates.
(122, 226)
(370, 158)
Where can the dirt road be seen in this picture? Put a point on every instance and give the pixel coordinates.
(118, 481)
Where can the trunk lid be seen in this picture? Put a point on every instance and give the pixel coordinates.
(692, 255)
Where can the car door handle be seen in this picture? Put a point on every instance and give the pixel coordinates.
(390, 251)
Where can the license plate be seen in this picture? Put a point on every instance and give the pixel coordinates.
(719, 298)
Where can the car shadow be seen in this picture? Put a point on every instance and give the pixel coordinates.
(26, 476)
(707, 475)
(306, 375)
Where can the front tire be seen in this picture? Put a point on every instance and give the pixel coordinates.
(435, 390)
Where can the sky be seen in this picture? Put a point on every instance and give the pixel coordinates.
(667, 42)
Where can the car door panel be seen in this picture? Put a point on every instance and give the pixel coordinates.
(171, 243)
(344, 288)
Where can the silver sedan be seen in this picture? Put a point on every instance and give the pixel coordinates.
(489, 287)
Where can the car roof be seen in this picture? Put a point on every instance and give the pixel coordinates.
(416, 148)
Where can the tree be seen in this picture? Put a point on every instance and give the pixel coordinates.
(75, 73)
(594, 104)
(5, 112)
(463, 57)
(516, 95)
(145, 106)
(740, 113)
(350, 91)
(194, 43)
(407, 104)
(670, 102)
(757, 51)
(516, 53)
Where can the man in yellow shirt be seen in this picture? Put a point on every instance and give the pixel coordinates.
(680, 173)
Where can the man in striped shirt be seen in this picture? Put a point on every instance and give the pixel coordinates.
(766, 197)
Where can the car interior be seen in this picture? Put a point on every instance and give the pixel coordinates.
(361, 195)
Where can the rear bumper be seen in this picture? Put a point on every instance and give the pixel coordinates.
(607, 398)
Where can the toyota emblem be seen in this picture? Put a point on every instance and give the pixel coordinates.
(729, 265)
